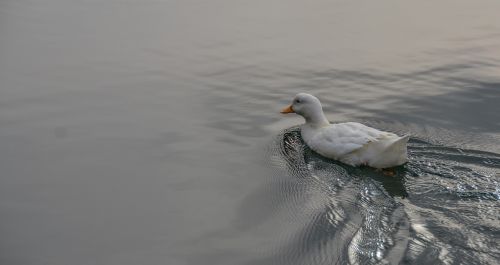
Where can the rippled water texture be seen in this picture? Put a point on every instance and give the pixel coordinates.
(148, 132)
(361, 216)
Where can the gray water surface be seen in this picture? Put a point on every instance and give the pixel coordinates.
(148, 132)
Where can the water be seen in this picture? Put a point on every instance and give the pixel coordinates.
(148, 132)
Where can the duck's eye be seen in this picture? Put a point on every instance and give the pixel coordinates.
(297, 101)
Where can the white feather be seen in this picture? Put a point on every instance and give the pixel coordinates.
(351, 142)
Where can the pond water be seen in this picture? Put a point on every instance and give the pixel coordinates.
(148, 132)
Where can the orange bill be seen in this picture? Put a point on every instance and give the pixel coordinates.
(288, 110)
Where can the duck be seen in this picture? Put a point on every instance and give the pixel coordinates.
(351, 143)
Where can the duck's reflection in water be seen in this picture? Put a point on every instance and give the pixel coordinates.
(353, 216)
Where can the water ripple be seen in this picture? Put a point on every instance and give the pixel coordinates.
(358, 216)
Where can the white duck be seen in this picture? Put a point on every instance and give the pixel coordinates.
(351, 143)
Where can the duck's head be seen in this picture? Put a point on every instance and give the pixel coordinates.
(307, 106)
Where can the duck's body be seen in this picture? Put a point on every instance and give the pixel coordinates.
(356, 144)
(351, 142)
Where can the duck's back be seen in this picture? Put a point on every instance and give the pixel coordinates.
(352, 143)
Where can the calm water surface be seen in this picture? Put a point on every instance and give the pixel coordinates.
(148, 132)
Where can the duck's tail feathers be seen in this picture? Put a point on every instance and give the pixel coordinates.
(403, 139)
(398, 144)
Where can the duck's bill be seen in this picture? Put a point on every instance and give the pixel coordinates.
(288, 109)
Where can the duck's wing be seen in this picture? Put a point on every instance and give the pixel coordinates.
(340, 139)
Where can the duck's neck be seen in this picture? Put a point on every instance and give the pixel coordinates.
(316, 119)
